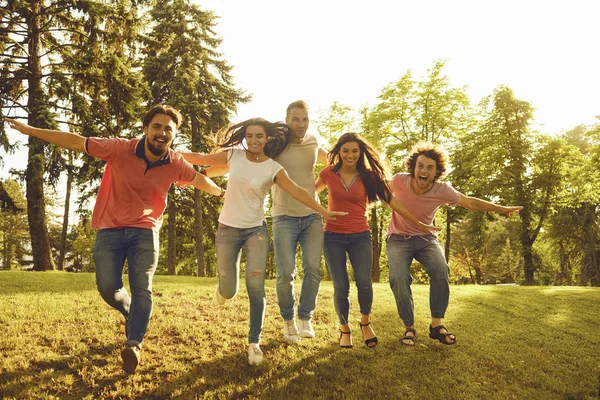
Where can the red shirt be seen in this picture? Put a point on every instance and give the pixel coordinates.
(353, 200)
(133, 192)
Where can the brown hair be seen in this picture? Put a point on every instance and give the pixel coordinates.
(163, 109)
(278, 135)
(429, 150)
(375, 177)
(301, 104)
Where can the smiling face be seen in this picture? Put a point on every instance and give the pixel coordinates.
(256, 138)
(159, 134)
(349, 154)
(297, 120)
(425, 174)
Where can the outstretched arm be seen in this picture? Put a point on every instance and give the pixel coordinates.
(217, 170)
(322, 156)
(206, 159)
(205, 184)
(476, 204)
(283, 180)
(67, 140)
(397, 206)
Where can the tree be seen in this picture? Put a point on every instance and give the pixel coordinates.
(13, 224)
(185, 70)
(504, 160)
(67, 58)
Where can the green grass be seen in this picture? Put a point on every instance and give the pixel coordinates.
(58, 339)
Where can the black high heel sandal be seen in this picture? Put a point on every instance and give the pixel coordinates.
(370, 343)
(341, 334)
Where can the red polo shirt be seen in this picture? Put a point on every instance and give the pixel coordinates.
(133, 191)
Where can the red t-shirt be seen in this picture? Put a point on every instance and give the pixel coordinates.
(133, 193)
(352, 200)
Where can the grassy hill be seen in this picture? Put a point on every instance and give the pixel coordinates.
(58, 339)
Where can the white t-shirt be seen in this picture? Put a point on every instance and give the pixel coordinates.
(248, 185)
(299, 161)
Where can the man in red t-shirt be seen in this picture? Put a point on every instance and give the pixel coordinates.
(129, 209)
(422, 195)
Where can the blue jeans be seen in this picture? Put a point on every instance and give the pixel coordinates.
(359, 249)
(425, 249)
(287, 233)
(255, 241)
(139, 246)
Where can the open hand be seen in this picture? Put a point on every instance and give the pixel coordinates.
(429, 228)
(330, 215)
(182, 184)
(19, 126)
(509, 210)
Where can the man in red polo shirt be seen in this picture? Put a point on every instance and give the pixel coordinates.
(129, 209)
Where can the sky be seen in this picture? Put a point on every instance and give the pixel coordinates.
(348, 51)
(323, 51)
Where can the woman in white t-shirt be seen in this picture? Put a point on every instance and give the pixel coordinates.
(251, 146)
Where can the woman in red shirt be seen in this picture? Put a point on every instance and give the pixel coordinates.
(355, 177)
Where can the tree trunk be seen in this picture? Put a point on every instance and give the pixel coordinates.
(65, 227)
(528, 264)
(34, 175)
(376, 242)
(171, 236)
(477, 275)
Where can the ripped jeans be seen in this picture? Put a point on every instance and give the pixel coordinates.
(255, 241)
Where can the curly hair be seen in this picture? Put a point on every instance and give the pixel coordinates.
(278, 135)
(429, 150)
(375, 177)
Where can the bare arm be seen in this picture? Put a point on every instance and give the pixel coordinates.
(476, 204)
(205, 184)
(322, 156)
(397, 206)
(319, 185)
(206, 159)
(67, 140)
(217, 170)
(283, 180)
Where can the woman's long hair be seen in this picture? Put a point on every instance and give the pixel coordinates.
(278, 135)
(374, 177)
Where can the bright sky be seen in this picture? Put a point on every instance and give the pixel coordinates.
(323, 50)
(327, 50)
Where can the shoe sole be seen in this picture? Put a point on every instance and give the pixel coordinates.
(130, 360)
(307, 335)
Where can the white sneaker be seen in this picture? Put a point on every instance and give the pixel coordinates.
(290, 331)
(255, 354)
(305, 328)
(220, 299)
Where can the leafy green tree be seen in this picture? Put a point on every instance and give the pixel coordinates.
(185, 70)
(574, 226)
(67, 58)
(506, 161)
(13, 224)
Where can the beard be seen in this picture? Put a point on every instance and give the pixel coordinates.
(157, 151)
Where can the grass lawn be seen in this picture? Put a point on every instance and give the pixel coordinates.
(58, 339)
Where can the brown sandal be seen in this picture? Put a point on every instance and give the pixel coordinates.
(443, 337)
(411, 338)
